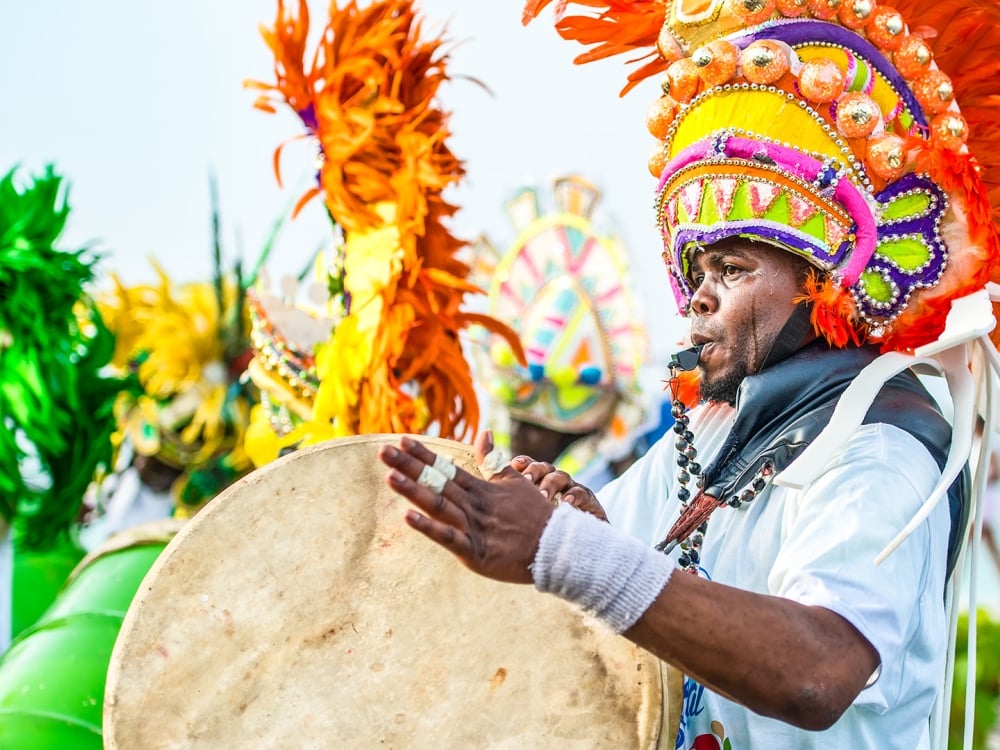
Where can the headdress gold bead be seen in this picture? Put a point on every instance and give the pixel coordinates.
(855, 13)
(791, 8)
(885, 29)
(716, 62)
(659, 116)
(702, 57)
(934, 91)
(752, 12)
(764, 61)
(657, 161)
(683, 80)
(950, 130)
(821, 80)
(913, 57)
(886, 156)
(857, 115)
(823, 9)
(667, 45)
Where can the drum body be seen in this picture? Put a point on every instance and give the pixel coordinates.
(298, 610)
(38, 576)
(52, 677)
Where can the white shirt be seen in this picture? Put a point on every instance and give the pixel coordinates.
(817, 547)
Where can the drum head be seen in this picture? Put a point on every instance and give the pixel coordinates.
(298, 610)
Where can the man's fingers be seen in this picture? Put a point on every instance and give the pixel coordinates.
(444, 534)
(425, 456)
(534, 471)
(556, 481)
(436, 504)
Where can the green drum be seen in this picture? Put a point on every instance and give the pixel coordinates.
(38, 576)
(52, 677)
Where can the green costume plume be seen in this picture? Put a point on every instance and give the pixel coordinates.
(56, 406)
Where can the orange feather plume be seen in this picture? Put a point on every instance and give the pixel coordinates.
(685, 387)
(619, 27)
(369, 97)
(832, 312)
(965, 38)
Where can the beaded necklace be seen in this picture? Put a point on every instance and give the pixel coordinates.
(689, 530)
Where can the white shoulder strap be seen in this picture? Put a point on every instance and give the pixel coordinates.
(962, 352)
(968, 323)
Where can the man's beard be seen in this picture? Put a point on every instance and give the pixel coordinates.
(723, 389)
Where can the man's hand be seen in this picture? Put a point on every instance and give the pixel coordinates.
(492, 526)
(558, 485)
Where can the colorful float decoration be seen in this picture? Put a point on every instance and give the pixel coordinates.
(565, 288)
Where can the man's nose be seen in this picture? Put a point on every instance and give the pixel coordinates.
(704, 300)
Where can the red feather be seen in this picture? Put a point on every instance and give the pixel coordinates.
(832, 311)
(615, 27)
(967, 48)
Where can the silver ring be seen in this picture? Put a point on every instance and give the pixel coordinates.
(445, 466)
(432, 479)
(493, 463)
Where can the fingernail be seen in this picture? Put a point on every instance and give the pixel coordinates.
(545, 493)
(389, 451)
(529, 477)
(397, 476)
(407, 442)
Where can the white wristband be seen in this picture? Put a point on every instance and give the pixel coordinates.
(599, 568)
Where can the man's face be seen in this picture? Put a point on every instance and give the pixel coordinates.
(743, 297)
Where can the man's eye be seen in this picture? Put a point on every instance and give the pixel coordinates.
(730, 270)
(696, 280)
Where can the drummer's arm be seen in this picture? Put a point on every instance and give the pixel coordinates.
(800, 664)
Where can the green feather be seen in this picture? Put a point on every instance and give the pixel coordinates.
(55, 400)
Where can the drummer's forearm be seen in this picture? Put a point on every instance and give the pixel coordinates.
(803, 665)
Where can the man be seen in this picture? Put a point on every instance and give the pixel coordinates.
(787, 259)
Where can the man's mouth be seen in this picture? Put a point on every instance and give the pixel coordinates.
(708, 347)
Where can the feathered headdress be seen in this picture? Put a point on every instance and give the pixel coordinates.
(56, 403)
(184, 348)
(860, 136)
(394, 363)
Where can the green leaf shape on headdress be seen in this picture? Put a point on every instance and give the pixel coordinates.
(56, 405)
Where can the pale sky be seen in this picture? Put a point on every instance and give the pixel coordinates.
(135, 102)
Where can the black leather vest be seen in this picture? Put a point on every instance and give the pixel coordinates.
(781, 409)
